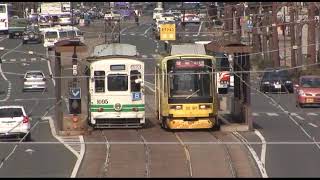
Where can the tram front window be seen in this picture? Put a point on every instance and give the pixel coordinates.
(189, 84)
(117, 82)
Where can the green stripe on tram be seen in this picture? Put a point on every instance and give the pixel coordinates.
(112, 110)
(111, 106)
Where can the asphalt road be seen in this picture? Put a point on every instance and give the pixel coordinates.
(30, 159)
(161, 158)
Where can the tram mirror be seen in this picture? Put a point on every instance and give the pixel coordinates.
(138, 81)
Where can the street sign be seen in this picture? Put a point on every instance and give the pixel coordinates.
(75, 93)
(167, 32)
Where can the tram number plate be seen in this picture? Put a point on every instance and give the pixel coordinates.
(102, 101)
(135, 67)
(136, 96)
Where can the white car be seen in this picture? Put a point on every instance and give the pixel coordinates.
(112, 15)
(34, 80)
(14, 122)
(157, 12)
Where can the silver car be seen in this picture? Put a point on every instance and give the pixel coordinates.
(34, 80)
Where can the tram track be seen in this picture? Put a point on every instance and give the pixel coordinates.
(187, 153)
(228, 155)
(106, 163)
(147, 153)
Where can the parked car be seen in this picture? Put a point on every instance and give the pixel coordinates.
(34, 80)
(33, 34)
(14, 122)
(308, 91)
(276, 80)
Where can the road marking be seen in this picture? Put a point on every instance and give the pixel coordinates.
(186, 35)
(33, 59)
(272, 114)
(200, 28)
(312, 114)
(12, 60)
(24, 59)
(49, 67)
(297, 116)
(3, 60)
(145, 32)
(4, 77)
(132, 34)
(144, 56)
(311, 124)
(203, 35)
(263, 149)
(78, 156)
(255, 114)
(43, 59)
(34, 99)
(154, 55)
(254, 155)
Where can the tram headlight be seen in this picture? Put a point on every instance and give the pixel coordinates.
(100, 109)
(204, 106)
(117, 107)
(176, 107)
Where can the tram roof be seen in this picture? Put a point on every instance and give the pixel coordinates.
(115, 49)
(198, 49)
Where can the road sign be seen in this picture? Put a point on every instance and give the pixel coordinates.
(75, 93)
(167, 32)
(74, 70)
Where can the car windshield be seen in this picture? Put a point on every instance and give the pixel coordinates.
(276, 75)
(310, 82)
(34, 75)
(117, 82)
(52, 35)
(10, 112)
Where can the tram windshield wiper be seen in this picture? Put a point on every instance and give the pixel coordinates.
(193, 94)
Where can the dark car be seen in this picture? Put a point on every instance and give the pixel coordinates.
(276, 80)
(32, 33)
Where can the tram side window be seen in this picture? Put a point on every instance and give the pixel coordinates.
(135, 87)
(99, 82)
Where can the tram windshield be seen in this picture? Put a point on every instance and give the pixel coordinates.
(189, 79)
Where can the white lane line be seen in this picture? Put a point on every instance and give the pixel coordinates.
(203, 35)
(78, 163)
(255, 114)
(263, 148)
(3, 60)
(186, 35)
(311, 124)
(272, 114)
(33, 59)
(144, 56)
(200, 28)
(49, 67)
(132, 34)
(4, 77)
(12, 60)
(312, 114)
(145, 32)
(33, 99)
(297, 116)
(78, 156)
(23, 59)
(254, 155)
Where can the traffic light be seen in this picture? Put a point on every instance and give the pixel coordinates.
(75, 106)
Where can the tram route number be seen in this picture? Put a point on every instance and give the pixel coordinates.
(102, 101)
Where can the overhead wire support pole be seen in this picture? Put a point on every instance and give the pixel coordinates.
(274, 37)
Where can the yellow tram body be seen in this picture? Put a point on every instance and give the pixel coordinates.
(185, 93)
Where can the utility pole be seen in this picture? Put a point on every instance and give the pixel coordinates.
(275, 39)
(293, 36)
(255, 32)
(311, 34)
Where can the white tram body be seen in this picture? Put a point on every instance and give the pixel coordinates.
(116, 93)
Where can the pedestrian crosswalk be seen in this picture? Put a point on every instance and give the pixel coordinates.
(73, 142)
(13, 60)
(274, 114)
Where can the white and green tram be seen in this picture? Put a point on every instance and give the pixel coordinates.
(116, 93)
